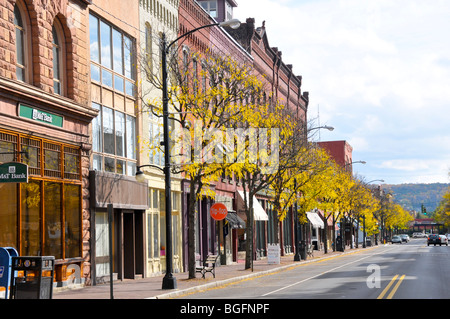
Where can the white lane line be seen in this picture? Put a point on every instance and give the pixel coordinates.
(330, 270)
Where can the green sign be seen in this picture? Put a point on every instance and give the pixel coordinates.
(40, 116)
(13, 173)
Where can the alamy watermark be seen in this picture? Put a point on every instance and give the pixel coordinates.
(374, 279)
(231, 145)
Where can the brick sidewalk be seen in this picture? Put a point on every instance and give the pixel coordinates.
(151, 287)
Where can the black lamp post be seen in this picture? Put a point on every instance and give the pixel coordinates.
(364, 231)
(169, 281)
(297, 235)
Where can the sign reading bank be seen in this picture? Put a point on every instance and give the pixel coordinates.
(40, 116)
(13, 173)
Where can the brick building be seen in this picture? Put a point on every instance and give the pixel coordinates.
(210, 235)
(286, 89)
(340, 152)
(70, 110)
(114, 37)
(44, 123)
(157, 18)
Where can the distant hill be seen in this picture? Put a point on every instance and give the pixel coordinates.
(412, 196)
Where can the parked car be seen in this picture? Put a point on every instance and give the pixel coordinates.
(436, 239)
(396, 239)
(444, 240)
(405, 238)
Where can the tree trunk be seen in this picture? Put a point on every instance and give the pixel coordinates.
(325, 231)
(334, 233)
(249, 231)
(276, 223)
(191, 230)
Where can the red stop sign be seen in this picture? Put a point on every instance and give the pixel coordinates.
(218, 211)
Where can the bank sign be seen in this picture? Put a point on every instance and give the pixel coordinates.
(13, 173)
(40, 116)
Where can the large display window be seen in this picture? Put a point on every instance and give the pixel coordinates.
(43, 216)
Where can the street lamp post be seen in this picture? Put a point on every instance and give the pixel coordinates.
(376, 180)
(169, 280)
(297, 235)
(329, 128)
(364, 231)
(360, 162)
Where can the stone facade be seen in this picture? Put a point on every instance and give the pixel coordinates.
(37, 90)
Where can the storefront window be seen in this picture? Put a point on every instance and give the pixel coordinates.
(101, 244)
(72, 211)
(46, 217)
(8, 215)
(155, 236)
(162, 223)
(31, 155)
(30, 206)
(8, 145)
(52, 220)
(153, 224)
(52, 160)
(71, 163)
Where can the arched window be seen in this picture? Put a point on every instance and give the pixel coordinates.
(21, 45)
(58, 58)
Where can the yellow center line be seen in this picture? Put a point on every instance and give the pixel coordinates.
(396, 287)
(394, 290)
(387, 288)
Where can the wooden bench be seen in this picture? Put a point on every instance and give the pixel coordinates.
(209, 265)
(310, 250)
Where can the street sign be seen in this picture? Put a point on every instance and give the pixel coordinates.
(13, 172)
(218, 211)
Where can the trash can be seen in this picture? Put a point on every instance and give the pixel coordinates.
(339, 244)
(32, 277)
(6, 254)
(302, 249)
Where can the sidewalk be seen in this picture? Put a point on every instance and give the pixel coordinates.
(150, 288)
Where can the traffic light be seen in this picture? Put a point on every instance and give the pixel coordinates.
(424, 209)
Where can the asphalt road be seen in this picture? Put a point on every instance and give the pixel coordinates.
(400, 271)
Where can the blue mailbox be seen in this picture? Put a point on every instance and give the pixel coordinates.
(6, 254)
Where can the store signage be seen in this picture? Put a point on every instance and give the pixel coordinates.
(218, 211)
(13, 173)
(40, 116)
(273, 254)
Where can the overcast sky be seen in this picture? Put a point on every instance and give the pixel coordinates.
(378, 71)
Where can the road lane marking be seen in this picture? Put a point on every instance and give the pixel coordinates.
(396, 287)
(387, 288)
(394, 290)
(325, 272)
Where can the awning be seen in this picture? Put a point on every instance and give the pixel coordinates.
(234, 220)
(258, 212)
(315, 220)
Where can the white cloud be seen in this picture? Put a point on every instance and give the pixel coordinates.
(359, 143)
(406, 165)
(379, 71)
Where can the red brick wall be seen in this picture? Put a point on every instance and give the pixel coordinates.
(38, 91)
(340, 151)
(72, 15)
